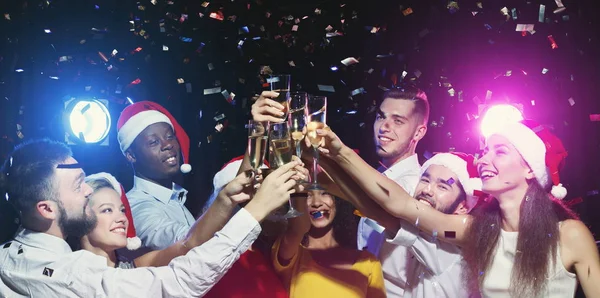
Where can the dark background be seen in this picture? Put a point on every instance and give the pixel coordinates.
(470, 50)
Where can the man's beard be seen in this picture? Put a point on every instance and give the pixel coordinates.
(444, 209)
(75, 226)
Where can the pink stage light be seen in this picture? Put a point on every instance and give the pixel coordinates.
(497, 116)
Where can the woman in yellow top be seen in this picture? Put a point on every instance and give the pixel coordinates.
(312, 261)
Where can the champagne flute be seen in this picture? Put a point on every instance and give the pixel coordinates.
(297, 119)
(281, 85)
(280, 140)
(258, 134)
(316, 118)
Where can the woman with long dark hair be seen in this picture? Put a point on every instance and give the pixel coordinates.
(521, 241)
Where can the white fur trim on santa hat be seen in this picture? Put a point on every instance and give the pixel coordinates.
(456, 165)
(110, 178)
(136, 124)
(228, 173)
(530, 146)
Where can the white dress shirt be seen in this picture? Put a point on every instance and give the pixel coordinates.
(434, 267)
(393, 257)
(159, 216)
(41, 265)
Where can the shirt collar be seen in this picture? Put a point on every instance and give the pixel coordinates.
(160, 192)
(402, 167)
(42, 241)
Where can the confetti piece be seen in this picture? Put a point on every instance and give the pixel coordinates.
(349, 61)
(357, 213)
(360, 90)
(451, 181)
(488, 95)
(452, 7)
(210, 91)
(525, 27)
(219, 117)
(595, 117)
(326, 88)
(407, 11)
(560, 7)
(217, 16)
(450, 234)
(542, 12)
(571, 101)
(514, 14)
(552, 42)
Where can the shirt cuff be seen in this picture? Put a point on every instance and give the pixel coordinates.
(406, 235)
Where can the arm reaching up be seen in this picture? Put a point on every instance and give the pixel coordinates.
(213, 220)
(336, 179)
(391, 196)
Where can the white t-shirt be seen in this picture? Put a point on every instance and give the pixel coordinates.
(433, 268)
(370, 237)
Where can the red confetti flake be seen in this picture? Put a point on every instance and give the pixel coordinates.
(217, 15)
(552, 42)
(135, 82)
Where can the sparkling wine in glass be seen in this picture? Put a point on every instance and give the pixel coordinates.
(316, 118)
(258, 134)
(281, 85)
(282, 154)
(297, 119)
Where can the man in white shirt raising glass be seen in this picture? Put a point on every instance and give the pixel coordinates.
(46, 186)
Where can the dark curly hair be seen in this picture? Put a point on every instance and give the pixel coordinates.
(344, 224)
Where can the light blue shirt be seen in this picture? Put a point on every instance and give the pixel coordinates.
(159, 216)
(371, 237)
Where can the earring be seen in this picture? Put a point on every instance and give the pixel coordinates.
(527, 198)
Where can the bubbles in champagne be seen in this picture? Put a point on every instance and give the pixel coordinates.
(282, 151)
(312, 128)
(297, 136)
(257, 146)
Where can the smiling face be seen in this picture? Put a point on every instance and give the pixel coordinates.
(321, 208)
(395, 128)
(502, 168)
(440, 189)
(110, 232)
(155, 152)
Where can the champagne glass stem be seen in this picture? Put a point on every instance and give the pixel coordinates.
(298, 149)
(315, 165)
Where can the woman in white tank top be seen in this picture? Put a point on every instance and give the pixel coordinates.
(521, 241)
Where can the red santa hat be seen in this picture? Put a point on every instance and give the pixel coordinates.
(136, 117)
(463, 165)
(133, 242)
(229, 171)
(543, 151)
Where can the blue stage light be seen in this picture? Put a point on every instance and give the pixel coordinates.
(87, 121)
